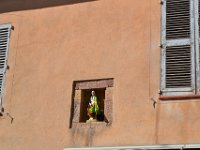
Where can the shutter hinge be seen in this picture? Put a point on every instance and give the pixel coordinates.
(193, 90)
(162, 2)
(12, 27)
(8, 67)
(161, 46)
(1, 111)
(160, 92)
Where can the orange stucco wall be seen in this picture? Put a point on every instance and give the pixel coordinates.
(54, 45)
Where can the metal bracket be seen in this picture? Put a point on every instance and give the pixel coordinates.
(160, 92)
(12, 27)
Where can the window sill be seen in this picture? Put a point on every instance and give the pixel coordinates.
(90, 125)
(180, 97)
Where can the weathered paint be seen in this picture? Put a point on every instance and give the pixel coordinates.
(54, 45)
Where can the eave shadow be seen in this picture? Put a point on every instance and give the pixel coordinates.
(19, 5)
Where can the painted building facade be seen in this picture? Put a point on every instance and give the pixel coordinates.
(59, 48)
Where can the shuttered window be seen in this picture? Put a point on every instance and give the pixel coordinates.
(178, 66)
(4, 44)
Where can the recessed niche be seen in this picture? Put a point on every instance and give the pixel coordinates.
(85, 99)
(81, 97)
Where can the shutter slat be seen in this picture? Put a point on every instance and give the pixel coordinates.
(4, 34)
(177, 19)
(178, 66)
(1, 82)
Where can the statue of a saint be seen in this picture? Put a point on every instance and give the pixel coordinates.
(93, 108)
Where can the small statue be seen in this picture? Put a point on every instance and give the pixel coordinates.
(93, 108)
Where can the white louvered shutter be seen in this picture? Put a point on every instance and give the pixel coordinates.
(4, 43)
(178, 63)
(197, 41)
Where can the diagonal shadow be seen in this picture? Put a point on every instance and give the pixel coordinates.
(17, 5)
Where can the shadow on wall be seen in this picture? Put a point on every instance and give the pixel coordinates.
(18, 5)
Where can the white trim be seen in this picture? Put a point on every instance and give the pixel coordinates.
(163, 43)
(150, 147)
(192, 36)
(197, 43)
(179, 42)
(6, 25)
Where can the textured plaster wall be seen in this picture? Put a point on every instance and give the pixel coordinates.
(53, 46)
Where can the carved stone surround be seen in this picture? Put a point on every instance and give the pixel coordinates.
(79, 86)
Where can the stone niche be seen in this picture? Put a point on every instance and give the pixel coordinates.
(81, 96)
